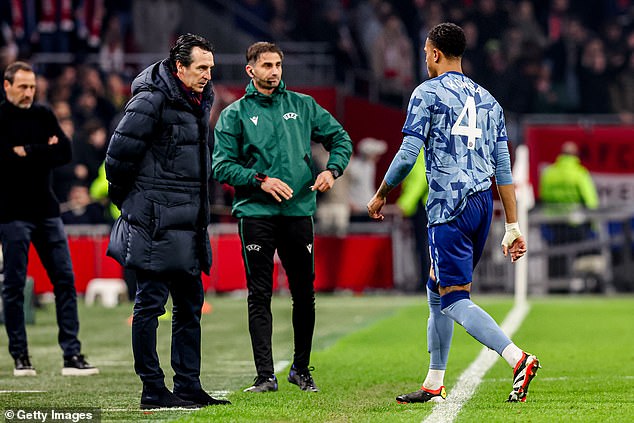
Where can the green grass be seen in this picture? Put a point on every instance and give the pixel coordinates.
(367, 349)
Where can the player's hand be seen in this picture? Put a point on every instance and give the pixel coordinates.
(53, 140)
(513, 242)
(19, 150)
(374, 207)
(324, 182)
(277, 188)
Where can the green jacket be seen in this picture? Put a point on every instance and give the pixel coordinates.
(567, 184)
(271, 135)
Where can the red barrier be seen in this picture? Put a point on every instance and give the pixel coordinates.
(607, 152)
(357, 263)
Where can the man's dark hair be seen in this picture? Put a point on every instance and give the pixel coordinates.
(255, 50)
(448, 38)
(13, 68)
(182, 50)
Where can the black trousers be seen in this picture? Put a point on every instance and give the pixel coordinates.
(49, 239)
(187, 300)
(293, 238)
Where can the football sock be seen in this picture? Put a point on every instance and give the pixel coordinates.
(439, 334)
(512, 354)
(478, 324)
(434, 380)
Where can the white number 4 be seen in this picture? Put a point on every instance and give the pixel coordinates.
(470, 130)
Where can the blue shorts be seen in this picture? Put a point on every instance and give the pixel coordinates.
(455, 247)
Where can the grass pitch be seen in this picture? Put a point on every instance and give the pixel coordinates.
(367, 349)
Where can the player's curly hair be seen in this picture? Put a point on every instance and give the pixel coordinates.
(448, 38)
(182, 50)
(255, 50)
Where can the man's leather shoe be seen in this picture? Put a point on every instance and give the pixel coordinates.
(163, 398)
(200, 397)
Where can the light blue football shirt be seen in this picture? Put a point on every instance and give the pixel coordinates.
(462, 130)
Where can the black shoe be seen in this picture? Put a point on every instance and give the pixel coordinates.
(523, 373)
(23, 366)
(423, 395)
(75, 365)
(263, 384)
(163, 398)
(200, 397)
(303, 379)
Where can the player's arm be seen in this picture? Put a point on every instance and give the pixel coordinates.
(401, 165)
(513, 241)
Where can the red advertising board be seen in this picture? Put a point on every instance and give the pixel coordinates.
(607, 152)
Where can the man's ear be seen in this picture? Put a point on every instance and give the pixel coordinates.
(436, 55)
(249, 70)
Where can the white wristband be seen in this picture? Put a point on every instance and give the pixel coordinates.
(512, 232)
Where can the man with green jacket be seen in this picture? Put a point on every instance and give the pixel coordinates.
(564, 187)
(567, 184)
(262, 148)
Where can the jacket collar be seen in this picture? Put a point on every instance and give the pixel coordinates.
(251, 91)
(159, 77)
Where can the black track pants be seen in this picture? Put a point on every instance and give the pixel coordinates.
(292, 237)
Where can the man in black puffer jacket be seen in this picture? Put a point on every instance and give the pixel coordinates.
(157, 166)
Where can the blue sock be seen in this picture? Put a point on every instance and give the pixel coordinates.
(478, 324)
(439, 333)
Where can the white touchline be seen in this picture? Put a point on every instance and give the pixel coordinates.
(467, 383)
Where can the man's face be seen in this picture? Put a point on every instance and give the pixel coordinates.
(198, 73)
(432, 70)
(267, 71)
(22, 91)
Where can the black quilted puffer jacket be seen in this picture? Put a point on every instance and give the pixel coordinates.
(157, 166)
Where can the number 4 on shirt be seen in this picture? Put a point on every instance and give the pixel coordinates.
(470, 130)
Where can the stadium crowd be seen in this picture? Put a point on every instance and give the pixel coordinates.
(535, 56)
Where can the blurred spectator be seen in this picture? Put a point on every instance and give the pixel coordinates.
(414, 193)
(91, 147)
(335, 31)
(564, 54)
(473, 59)
(80, 209)
(622, 92)
(61, 110)
(362, 174)
(41, 90)
(550, 97)
(564, 187)
(155, 24)
(117, 91)
(70, 173)
(490, 19)
(525, 21)
(393, 62)
(594, 79)
(55, 25)
(90, 14)
(99, 192)
(333, 207)
(111, 57)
